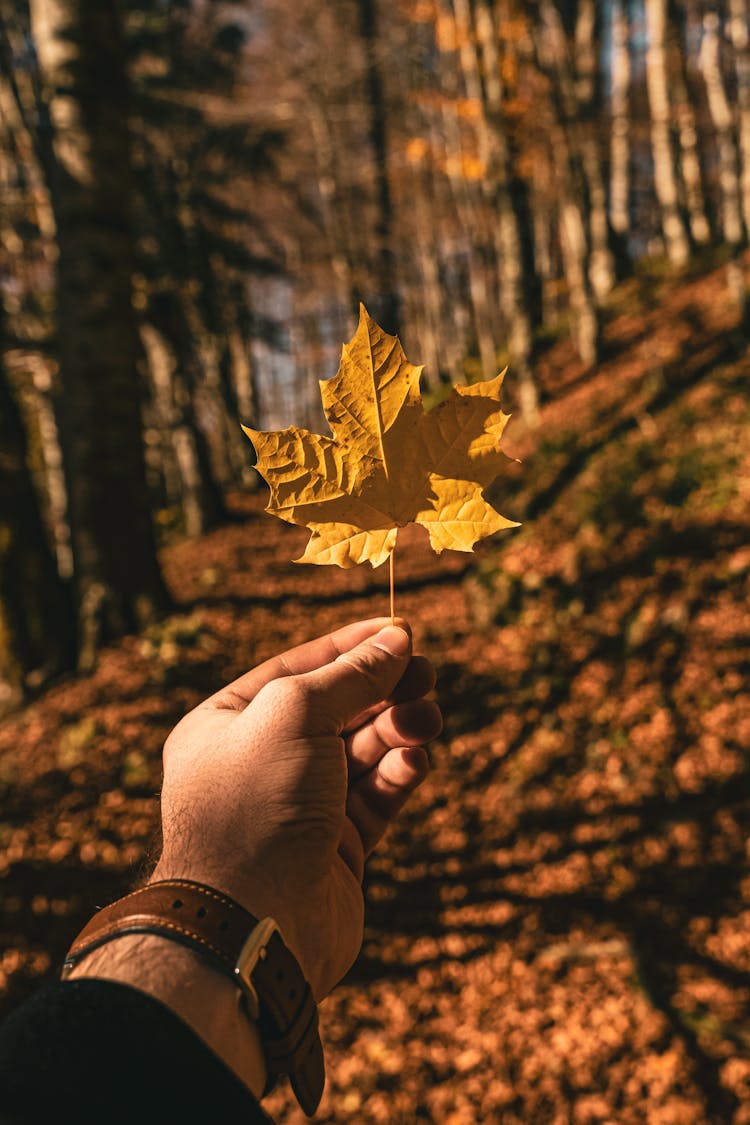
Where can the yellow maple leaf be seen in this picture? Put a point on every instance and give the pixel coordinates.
(388, 462)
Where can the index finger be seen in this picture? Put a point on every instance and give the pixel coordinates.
(303, 658)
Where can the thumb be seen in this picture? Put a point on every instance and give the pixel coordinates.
(357, 679)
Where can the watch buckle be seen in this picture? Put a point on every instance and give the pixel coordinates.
(254, 950)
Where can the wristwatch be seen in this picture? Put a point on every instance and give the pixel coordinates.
(250, 950)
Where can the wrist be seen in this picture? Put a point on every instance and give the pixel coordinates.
(202, 997)
(258, 898)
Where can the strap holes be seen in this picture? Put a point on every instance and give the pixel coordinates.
(201, 912)
(177, 904)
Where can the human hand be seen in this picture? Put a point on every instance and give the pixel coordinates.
(278, 787)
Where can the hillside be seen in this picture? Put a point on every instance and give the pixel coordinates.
(558, 927)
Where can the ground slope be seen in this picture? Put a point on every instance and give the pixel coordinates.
(559, 928)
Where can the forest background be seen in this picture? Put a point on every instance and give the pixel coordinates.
(194, 199)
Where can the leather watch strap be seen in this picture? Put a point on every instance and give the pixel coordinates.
(252, 952)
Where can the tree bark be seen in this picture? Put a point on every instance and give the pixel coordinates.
(573, 244)
(574, 200)
(739, 31)
(242, 374)
(722, 118)
(676, 240)
(586, 89)
(117, 580)
(689, 156)
(388, 305)
(466, 201)
(168, 345)
(335, 230)
(729, 180)
(37, 633)
(55, 490)
(619, 151)
(506, 197)
(429, 315)
(545, 246)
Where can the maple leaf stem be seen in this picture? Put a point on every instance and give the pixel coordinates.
(390, 567)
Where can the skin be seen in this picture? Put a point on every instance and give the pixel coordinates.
(276, 790)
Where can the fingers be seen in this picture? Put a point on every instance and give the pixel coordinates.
(377, 797)
(387, 762)
(304, 658)
(357, 680)
(418, 679)
(405, 724)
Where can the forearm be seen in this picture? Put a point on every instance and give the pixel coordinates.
(203, 998)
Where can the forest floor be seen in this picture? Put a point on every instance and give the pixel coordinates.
(558, 929)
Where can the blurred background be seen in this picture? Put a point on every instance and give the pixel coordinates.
(194, 198)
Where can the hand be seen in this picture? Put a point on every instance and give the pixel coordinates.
(278, 787)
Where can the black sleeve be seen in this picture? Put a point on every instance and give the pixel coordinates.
(91, 1051)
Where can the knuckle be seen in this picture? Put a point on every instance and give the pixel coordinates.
(284, 696)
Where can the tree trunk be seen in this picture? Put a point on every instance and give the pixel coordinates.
(619, 151)
(192, 345)
(573, 244)
(117, 579)
(19, 109)
(334, 227)
(575, 88)
(185, 449)
(424, 208)
(676, 240)
(54, 469)
(739, 25)
(545, 244)
(245, 391)
(729, 181)
(513, 238)
(586, 89)
(689, 155)
(574, 199)
(37, 633)
(249, 403)
(387, 308)
(722, 118)
(466, 200)
(428, 316)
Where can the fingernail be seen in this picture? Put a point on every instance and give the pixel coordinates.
(393, 640)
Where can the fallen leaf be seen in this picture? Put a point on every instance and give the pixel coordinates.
(388, 462)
